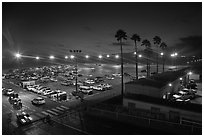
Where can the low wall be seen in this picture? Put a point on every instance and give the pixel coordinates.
(168, 127)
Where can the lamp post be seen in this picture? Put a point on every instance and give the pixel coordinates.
(189, 73)
(76, 67)
(18, 57)
(162, 55)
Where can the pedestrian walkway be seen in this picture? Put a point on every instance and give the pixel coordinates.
(52, 112)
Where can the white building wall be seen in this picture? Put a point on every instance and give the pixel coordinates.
(163, 109)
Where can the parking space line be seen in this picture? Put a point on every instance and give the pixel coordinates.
(45, 113)
(49, 111)
(58, 111)
(64, 107)
(60, 108)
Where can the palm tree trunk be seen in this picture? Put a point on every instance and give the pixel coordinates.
(163, 64)
(136, 61)
(157, 58)
(121, 49)
(147, 68)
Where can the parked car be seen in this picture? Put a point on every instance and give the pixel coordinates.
(98, 87)
(23, 118)
(8, 91)
(106, 86)
(89, 82)
(38, 101)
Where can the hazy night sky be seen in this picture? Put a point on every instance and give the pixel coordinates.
(55, 28)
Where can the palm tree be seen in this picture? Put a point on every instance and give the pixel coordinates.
(147, 50)
(136, 38)
(163, 46)
(120, 35)
(157, 41)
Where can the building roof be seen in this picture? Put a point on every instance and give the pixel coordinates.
(148, 82)
(178, 105)
(159, 80)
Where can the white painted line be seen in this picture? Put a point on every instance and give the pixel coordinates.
(45, 113)
(60, 108)
(58, 111)
(49, 111)
(64, 107)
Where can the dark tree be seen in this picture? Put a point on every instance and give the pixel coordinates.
(120, 36)
(157, 41)
(147, 51)
(136, 38)
(163, 46)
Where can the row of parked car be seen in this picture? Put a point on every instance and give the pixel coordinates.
(186, 94)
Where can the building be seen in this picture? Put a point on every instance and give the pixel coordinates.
(152, 96)
(27, 83)
(159, 86)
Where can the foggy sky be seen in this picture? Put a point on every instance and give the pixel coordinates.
(55, 28)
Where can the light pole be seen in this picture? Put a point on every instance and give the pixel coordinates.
(162, 54)
(174, 55)
(18, 57)
(189, 73)
(72, 57)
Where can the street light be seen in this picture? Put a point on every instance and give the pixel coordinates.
(116, 56)
(87, 56)
(37, 58)
(135, 53)
(72, 56)
(161, 53)
(140, 56)
(107, 56)
(100, 56)
(76, 67)
(170, 84)
(181, 78)
(52, 57)
(18, 55)
(66, 57)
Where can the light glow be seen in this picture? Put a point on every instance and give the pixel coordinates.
(52, 57)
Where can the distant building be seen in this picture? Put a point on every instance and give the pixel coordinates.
(27, 83)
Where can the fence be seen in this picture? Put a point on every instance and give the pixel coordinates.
(122, 115)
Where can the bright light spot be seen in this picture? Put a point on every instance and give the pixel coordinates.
(190, 73)
(170, 84)
(116, 56)
(140, 56)
(135, 53)
(172, 55)
(18, 55)
(108, 56)
(72, 56)
(87, 56)
(66, 57)
(52, 57)
(100, 56)
(162, 54)
(181, 78)
(37, 58)
(175, 54)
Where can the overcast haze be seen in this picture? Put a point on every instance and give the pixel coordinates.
(54, 28)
